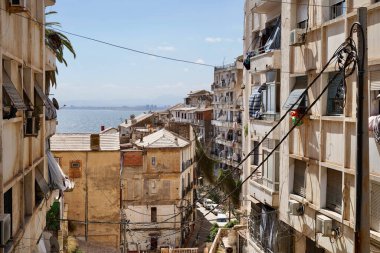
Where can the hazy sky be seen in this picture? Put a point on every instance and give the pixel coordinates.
(208, 31)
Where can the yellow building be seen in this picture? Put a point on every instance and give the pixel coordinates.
(158, 196)
(92, 161)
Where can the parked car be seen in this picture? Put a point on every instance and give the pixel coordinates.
(221, 219)
(211, 206)
(216, 211)
(207, 202)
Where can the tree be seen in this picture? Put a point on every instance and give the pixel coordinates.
(57, 42)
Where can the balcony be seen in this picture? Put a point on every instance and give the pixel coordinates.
(50, 127)
(263, 7)
(262, 127)
(266, 61)
(50, 59)
(259, 189)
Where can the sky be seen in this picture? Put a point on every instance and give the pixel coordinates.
(205, 31)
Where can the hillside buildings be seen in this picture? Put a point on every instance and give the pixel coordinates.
(227, 115)
(303, 198)
(30, 182)
(197, 111)
(92, 161)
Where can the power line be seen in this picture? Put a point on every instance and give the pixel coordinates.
(114, 45)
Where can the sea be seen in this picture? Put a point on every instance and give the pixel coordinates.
(90, 120)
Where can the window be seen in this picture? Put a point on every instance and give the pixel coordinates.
(271, 95)
(334, 191)
(153, 160)
(75, 164)
(8, 207)
(153, 243)
(302, 24)
(337, 8)
(299, 89)
(299, 183)
(270, 170)
(335, 94)
(75, 169)
(153, 214)
(255, 158)
(12, 100)
(375, 206)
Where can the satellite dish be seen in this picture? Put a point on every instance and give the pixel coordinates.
(55, 103)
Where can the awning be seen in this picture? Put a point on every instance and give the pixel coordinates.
(41, 94)
(292, 99)
(12, 92)
(58, 179)
(42, 183)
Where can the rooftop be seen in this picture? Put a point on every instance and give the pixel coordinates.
(162, 139)
(82, 142)
(138, 118)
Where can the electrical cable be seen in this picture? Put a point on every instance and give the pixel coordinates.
(112, 44)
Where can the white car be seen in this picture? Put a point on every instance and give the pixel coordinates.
(207, 202)
(221, 220)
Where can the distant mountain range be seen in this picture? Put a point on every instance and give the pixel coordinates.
(123, 108)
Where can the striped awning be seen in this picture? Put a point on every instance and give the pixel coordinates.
(11, 91)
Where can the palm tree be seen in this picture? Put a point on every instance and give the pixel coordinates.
(57, 42)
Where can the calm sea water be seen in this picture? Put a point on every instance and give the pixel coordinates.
(89, 121)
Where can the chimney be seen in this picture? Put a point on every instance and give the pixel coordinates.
(102, 128)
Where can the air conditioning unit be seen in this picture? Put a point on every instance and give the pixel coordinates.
(295, 207)
(323, 225)
(297, 37)
(5, 228)
(17, 5)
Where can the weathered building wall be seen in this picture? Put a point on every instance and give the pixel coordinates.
(96, 194)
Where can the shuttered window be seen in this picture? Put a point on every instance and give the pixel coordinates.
(41, 94)
(12, 93)
(334, 191)
(41, 182)
(297, 92)
(335, 95)
(299, 183)
(375, 80)
(375, 206)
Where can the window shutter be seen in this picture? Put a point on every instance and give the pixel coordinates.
(12, 92)
(334, 191)
(299, 178)
(375, 207)
(375, 80)
(41, 182)
(41, 94)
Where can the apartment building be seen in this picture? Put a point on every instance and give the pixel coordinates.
(158, 191)
(197, 111)
(30, 182)
(92, 161)
(227, 115)
(308, 187)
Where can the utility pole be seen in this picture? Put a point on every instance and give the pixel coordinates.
(362, 149)
(229, 210)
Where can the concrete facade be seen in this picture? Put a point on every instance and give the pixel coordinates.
(23, 133)
(316, 167)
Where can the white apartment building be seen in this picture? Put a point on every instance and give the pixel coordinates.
(227, 115)
(309, 184)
